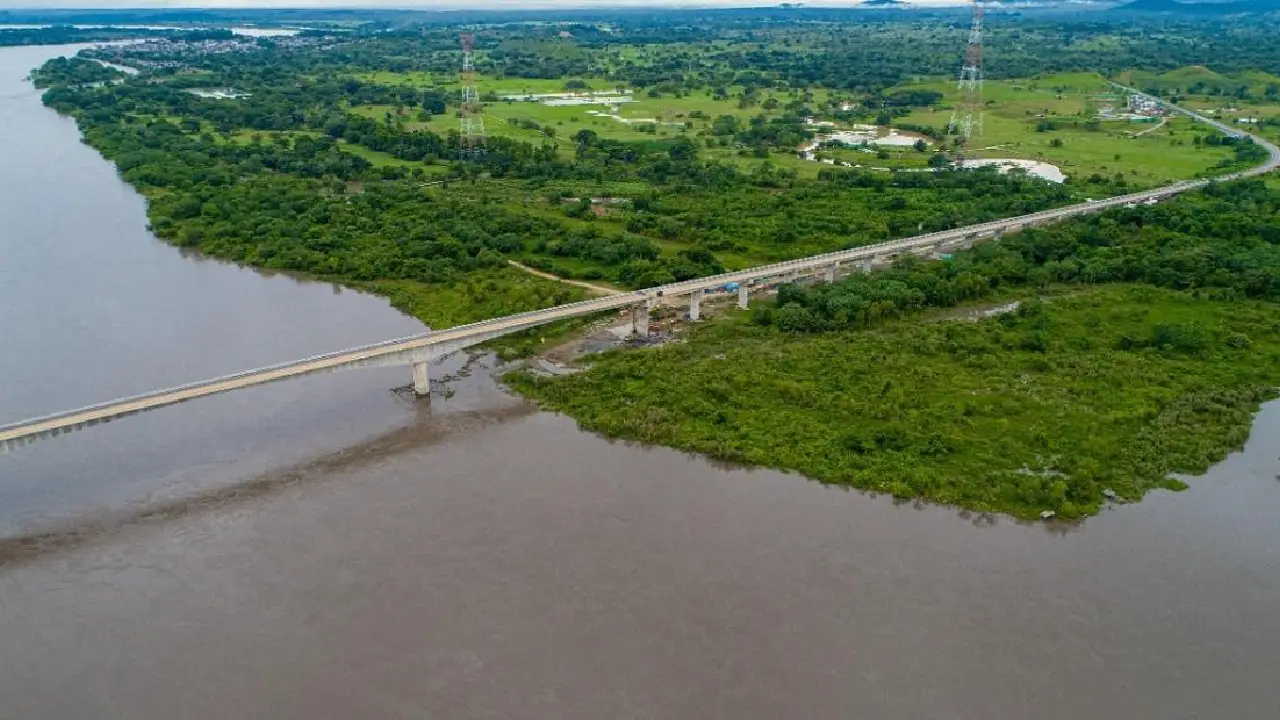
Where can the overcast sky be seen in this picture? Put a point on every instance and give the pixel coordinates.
(437, 5)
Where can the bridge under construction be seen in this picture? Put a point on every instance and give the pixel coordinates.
(419, 351)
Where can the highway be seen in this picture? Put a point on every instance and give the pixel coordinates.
(419, 349)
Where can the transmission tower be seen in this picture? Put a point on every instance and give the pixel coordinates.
(472, 112)
(966, 118)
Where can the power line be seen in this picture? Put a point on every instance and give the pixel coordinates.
(966, 118)
(472, 110)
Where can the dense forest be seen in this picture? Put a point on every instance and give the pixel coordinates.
(1142, 342)
(282, 178)
(74, 72)
(290, 174)
(1161, 245)
(64, 34)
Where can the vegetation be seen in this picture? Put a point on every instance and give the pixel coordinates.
(287, 168)
(74, 72)
(1144, 341)
(64, 34)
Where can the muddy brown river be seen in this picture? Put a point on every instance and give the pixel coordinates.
(324, 548)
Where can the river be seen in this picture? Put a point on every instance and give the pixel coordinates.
(326, 548)
(242, 31)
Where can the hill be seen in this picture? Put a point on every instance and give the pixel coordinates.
(1197, 79)
(1238, 7)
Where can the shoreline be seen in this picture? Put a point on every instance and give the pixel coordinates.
(652, 391)
(413, 298)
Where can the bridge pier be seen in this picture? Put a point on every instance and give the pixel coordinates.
(832, 270)
(865, 265)
(695, 305)
(742, 296)
(421, 379)
(640, 319)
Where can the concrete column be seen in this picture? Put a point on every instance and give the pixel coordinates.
(640, 319)
(865, 265)
(742, 296)
(830, 274)
(695, 305)
(421, 379)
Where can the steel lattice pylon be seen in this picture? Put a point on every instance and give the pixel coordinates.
(472, 111)
(966, 118)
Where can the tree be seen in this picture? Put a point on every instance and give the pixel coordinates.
(683, 149)
(725, 125)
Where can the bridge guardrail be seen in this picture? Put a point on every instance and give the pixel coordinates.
(407, 343)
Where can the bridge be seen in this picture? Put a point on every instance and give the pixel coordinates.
(418, 351)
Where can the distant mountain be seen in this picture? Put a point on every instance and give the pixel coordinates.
(885, 4)
(1238, 7)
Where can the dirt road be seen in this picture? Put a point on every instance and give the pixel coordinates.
(597, 289)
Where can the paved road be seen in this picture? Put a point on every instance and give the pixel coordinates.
(404, 347)
(412, 348)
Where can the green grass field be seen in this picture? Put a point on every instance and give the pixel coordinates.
(1197, 79)
(1228, 110)
(1014, 108)
(501, 86)
(670, 115)
(1146, 155)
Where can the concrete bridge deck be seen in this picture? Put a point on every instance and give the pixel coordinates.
(419, 350)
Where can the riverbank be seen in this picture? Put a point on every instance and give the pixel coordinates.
(539, 539)
(1090, 391)
(972, 414)
(447, 251)
(324, 547)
